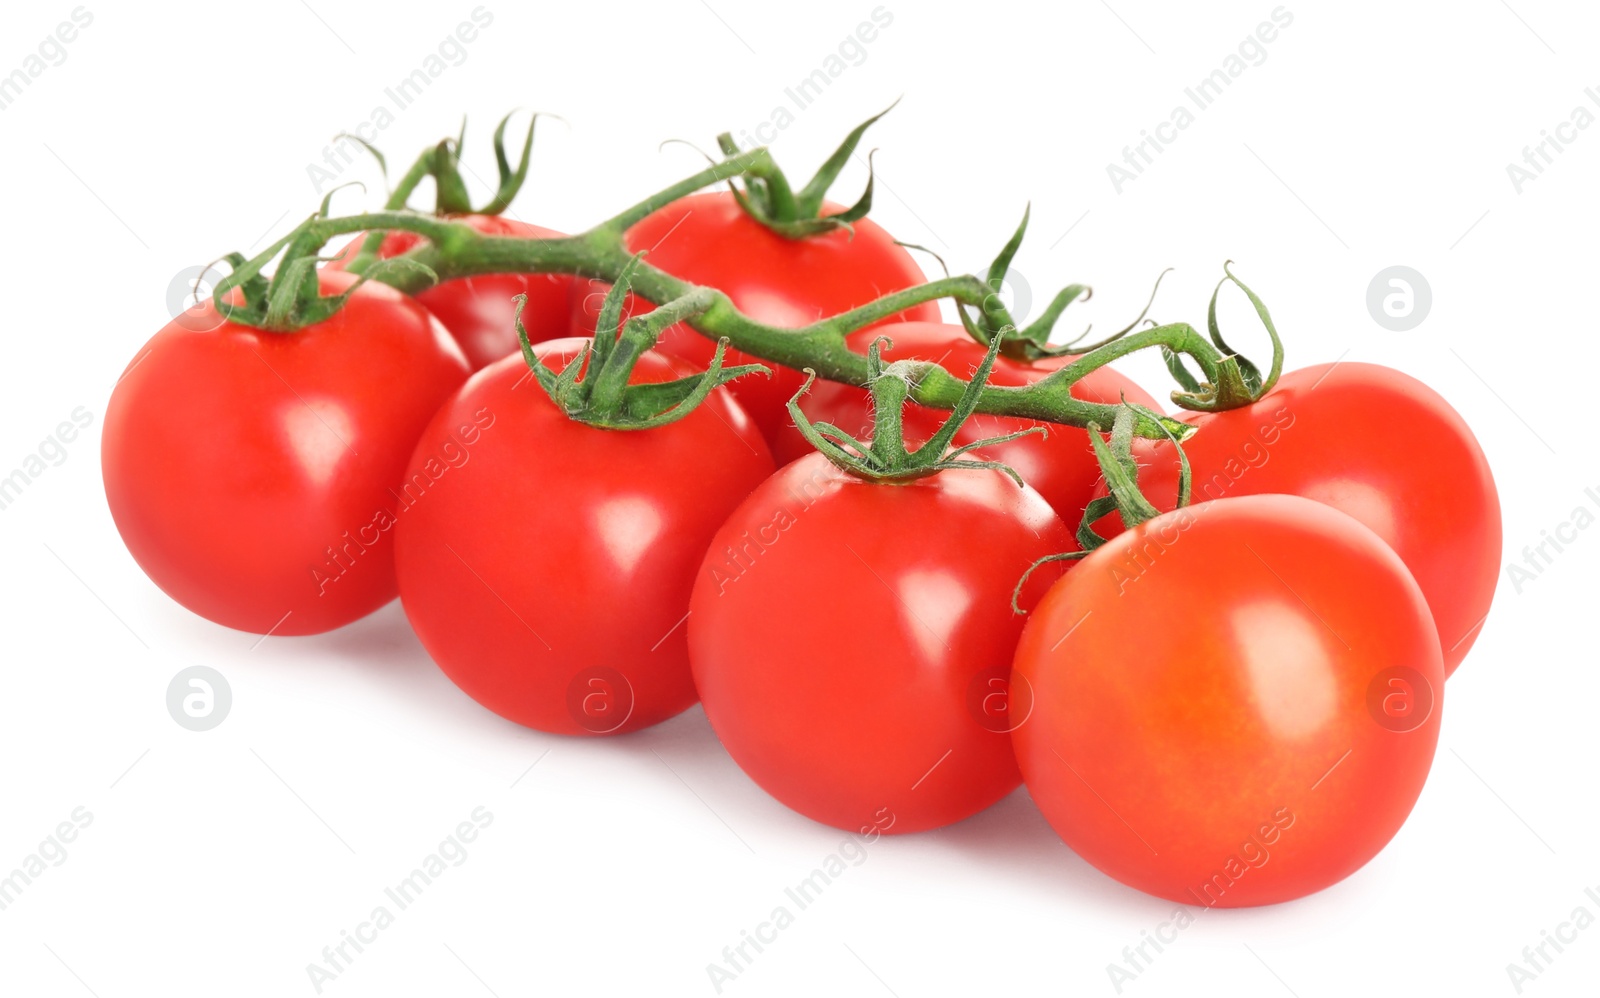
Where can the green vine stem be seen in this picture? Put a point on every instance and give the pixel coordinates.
(454, 249)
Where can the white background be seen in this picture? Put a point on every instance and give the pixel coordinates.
(223, 862)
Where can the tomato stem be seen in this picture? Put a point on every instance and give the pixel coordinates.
(594, 388)
(1121, 473)
(885, 458)
(454, 249)
(443, 163)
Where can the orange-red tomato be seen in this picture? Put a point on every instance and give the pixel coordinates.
(1376, 444)
(1233, 704)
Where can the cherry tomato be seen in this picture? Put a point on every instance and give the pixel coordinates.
(1061, 465)
(1248, 680)
(708, 239)
(251, 473)
(852, 640)
(1374, 443)
(546, 564)
(479, 311)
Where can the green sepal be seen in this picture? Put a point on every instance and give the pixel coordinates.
(768, 198)
(884, 458)
(809, 200)
(595, 386)
(292, 299)
(1016, 592)
(1238, 381)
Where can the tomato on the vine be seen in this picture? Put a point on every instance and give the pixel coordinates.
(478, 310)
(252, 473)
(709, 239)
(1376, 444)
(848, 638)
(1060, 464)
(546, 564)
(1245, 680)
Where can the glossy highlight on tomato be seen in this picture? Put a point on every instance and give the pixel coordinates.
(846, 635)
(1234, 704)
(252, 473)
(546, 564)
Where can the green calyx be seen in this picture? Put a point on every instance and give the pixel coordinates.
(885, 458)
(443, 163)
(1237, 382)
(292, 298)
(768, 198)
(594, 387)
(1032, 342)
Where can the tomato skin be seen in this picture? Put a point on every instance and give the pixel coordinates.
(1376, 444)
(1060, 465)
(839, 629)
(1211, 668)
(708, 239)
(249, 472)
(479, 311)
(546, 548)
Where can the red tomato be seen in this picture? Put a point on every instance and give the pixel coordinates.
(708, 239)
(546, 564)
(1242, 681)
(852, 640)
(479, 311)
(1376, 444)
(251, 473)
(1061, 466)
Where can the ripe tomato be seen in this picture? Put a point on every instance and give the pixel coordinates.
(708, 239)
(251, 473)
(851, 640)
(1244, 680)
(479, 311)
(1061, 466)
(1374, 443)
(546, 564)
